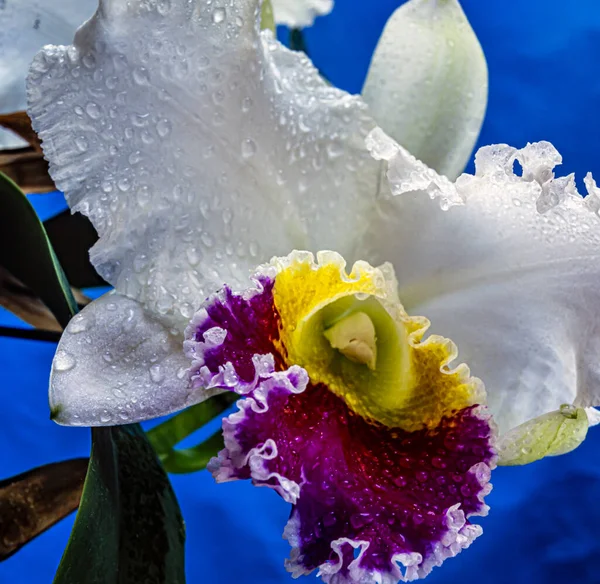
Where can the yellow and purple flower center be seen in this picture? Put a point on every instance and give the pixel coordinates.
(382, 449)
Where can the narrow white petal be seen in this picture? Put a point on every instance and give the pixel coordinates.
(25, 27)
(427, 83)
(300, 13)
(116, 365)
(512, 276)
(198, 147)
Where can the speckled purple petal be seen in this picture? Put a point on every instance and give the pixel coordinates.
(372, 504)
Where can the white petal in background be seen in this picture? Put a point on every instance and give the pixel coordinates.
(300, 13)
(427, 83)
(25, 27)
(513, 276)
(115, 364)
(198, 147)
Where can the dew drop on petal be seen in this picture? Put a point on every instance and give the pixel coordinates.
(248, 148)
(156, 373)
(64, 361)
(78, 324)
(219, 15)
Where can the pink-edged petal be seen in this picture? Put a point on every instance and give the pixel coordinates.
(404, 498)
(512, 275)
(198, 147)
(117, 365)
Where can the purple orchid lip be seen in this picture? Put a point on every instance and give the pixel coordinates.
(368, 499)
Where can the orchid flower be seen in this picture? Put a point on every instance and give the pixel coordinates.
(214, 163)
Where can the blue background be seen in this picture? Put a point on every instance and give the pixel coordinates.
(543, 57)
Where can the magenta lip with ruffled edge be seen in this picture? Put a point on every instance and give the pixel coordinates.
(366, 498)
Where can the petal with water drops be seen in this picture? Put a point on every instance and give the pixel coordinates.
(198, 147)
(117, 365)
(512, 276)
(427, 83)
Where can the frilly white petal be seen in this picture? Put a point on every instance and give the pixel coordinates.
(512, 276)
(25, 27)
(117, 365)
(427, 83)
(198, 147)
(300, 13)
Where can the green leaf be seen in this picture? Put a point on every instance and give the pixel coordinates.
(129, 528)
(27, 254)
(297, 40)
(167, 435)
(34, 501)
(193, 459)
(72, 236)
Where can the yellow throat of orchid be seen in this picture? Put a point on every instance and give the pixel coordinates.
(351, 333)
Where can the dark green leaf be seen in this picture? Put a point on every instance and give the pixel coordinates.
(72, 236)
(167, 435)
(297, 40)
(129, 528)
(33, 501)
(27, 254)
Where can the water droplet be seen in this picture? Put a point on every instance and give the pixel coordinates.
(63, 361)
(219, 15)
(248, 148)
(193, 256)
(246, 104)
(124, 184)
(163, 128)
(135, 157)
(207, 239)
(156, 373)
(105, 417)
(93, 110)
(568, 411)
(141, 76)
(78, 324)
(81, 143)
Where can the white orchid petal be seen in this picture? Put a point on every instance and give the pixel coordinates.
(593, 416)
(427, 83)
(25, 27)
(300, 13)
(518, 290)
(116, 365)
(198, 147)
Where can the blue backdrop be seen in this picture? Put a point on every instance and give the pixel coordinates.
(545, 521)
